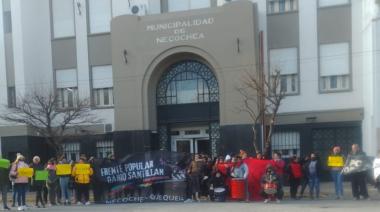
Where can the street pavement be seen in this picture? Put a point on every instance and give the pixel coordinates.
(326, 203)
(285, 206)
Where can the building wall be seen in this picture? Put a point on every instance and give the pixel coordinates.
(37, 54)
(3, 73)
(136, 80)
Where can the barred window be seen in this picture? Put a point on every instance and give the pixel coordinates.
(104, 148)
(71, 151)
(287, 143)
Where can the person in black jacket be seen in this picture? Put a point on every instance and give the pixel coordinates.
(305, 179)
(313, 172)
(37, 184)
(216, 181)
(357, 165)
(4, 182)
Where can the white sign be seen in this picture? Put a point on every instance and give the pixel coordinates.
(179, 30)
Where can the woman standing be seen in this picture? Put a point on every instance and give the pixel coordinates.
(64, 185)
(37, 184)
(52, 181)
(195, 170)
(295, 176)
(356, 166)
(82, 182)
(336, 163)
(313, 171)
(20, 182)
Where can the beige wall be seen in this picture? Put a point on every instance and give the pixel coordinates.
(135, 81)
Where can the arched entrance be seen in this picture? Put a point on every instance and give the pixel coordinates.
(187, 98)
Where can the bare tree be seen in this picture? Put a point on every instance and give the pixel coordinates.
(41, 112)
(262, 97)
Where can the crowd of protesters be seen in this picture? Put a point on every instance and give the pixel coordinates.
(55, 190)
(212, 179)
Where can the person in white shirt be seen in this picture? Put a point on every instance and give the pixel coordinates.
(376, 171)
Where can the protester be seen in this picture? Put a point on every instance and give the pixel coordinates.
(240, 170)
(305, 178)
(82, 182)
(313, 171)
(37, 184)
(64, 184)
(207, 173)
(20, 182)
(216, 181)
(52, 182)
(295, 176)
(259, 155)
(270, 184)
(376, 171)
(4, 182)
(356, 166)
(278, 166)
(336, 163)
(194, 171)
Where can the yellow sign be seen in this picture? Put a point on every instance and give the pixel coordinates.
(25, 172)
(63, 169)
(335, 161)
(82, 169)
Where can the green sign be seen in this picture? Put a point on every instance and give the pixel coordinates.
(41, 175)
(4, 163)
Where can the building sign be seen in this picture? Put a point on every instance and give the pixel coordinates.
(180, 30)
(144, 177)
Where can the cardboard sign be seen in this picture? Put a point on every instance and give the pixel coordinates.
(335, 161)
(82, 168)
(4, 163)
(63, 169)
(25, 172)
(41, 175)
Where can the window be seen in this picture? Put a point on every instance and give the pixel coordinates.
(327, 3)
(281, 6)
(104, 149)
(287, 143)
(63, 18)
(334, 67)
(71, 151)
(271, 6)
(7, 19)
(136, 7)
(67, 91)
(100, 16)
(175, 5)
(11, 97)
(102, 85)
(286, 62)
(187, 82)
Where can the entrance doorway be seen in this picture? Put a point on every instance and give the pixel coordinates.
(191, 140)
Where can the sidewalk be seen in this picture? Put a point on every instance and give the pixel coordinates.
(327, 193)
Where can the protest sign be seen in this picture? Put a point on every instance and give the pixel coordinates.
(158, 176)
(63, 169)
(25, 172)
(4, 163)
(41, 175)
(335, 161)
(82, 168)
